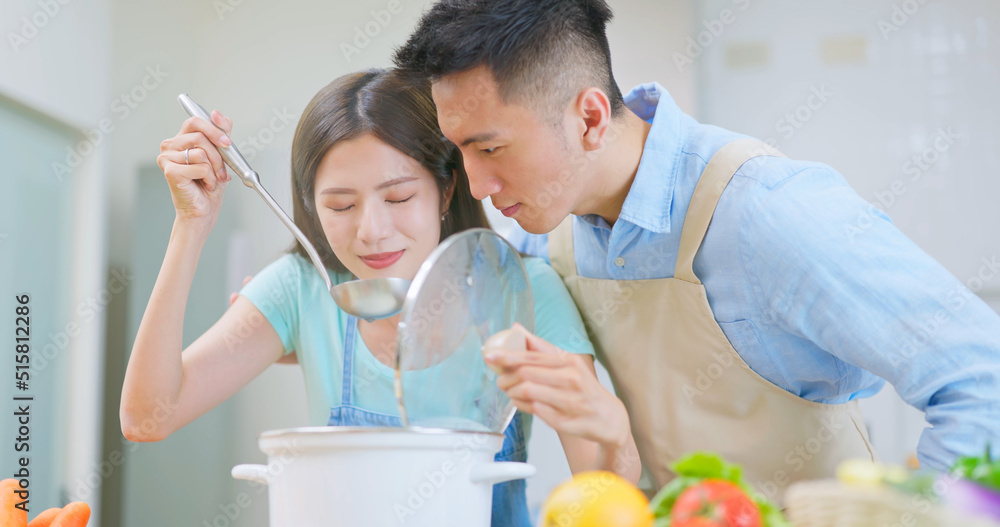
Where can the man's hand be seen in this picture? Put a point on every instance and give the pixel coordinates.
(562, 389)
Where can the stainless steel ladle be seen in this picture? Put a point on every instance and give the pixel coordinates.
(368, 299)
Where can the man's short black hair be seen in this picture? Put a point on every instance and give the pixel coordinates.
(541, 52)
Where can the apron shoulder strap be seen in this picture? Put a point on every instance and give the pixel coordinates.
(561, 249)
(350, 341)
(719, 171)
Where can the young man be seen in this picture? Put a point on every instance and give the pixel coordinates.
(729, 291)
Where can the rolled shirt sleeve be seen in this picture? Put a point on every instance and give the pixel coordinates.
(275, 292)
(831, 269)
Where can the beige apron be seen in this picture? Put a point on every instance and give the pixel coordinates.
(684, 385)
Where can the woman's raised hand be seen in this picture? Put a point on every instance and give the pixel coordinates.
(194, 168)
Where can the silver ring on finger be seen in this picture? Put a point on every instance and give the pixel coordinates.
(187, 161)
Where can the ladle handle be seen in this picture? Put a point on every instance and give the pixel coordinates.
(306, 244)
(230, 153)
(250, 178)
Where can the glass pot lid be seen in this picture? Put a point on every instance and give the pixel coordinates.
(473, 285)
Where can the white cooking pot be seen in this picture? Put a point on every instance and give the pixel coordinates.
(357, 476)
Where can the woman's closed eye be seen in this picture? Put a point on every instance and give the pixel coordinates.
(404, 200)
(339, 207)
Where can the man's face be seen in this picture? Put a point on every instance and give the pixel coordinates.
(514, 156)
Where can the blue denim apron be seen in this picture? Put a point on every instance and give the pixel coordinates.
(510, 505)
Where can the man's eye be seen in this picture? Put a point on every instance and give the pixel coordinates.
(489, 150)
(404, 200)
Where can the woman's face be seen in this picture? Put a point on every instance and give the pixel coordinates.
(379, 208)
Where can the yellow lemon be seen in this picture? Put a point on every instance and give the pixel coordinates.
(596, 499)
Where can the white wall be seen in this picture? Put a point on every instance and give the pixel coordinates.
(56, 60)
(62, 66)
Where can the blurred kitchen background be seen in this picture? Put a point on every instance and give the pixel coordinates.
(899, 95)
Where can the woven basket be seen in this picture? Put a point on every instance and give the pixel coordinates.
(829, 503)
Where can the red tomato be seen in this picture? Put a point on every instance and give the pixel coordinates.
(695, 522)
(714, 503)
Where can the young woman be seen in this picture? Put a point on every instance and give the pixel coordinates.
(376, 187)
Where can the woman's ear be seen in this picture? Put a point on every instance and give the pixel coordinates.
(449, 192)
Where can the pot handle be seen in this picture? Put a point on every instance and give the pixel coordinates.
(257, 473)
(499, 472)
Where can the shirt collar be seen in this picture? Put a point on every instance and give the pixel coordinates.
(650, 197)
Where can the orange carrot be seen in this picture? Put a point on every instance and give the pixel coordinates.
(76, 514)
(11, 516)
(45, 518)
